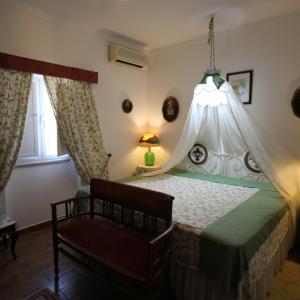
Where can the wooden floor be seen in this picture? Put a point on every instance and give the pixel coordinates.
(33, 270)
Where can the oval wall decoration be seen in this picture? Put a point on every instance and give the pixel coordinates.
(198, 154)
(127, 106)
(250, 163)
(296, 103)
(170, 109)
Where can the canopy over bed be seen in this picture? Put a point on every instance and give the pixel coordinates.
(226, 129)
(218, 119)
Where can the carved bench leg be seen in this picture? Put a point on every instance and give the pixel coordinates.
(55, 257)
(4, 241)
(55, 241)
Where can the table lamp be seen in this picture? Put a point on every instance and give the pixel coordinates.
(149, 140)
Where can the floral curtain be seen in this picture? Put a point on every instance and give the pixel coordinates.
(77, 119)
(14, 92)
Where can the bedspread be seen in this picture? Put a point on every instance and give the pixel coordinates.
(197, 203)
(217, 230)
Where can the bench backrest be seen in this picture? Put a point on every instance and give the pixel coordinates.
(131, 202)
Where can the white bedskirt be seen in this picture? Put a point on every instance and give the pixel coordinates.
(188, 284)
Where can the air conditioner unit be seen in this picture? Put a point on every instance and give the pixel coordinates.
(128, 56)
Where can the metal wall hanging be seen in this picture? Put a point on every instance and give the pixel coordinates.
(170, 109)
(250, 163)
(296, 102)
(198, 154)
(127, 106)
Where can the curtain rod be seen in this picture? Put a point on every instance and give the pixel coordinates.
(23, 64)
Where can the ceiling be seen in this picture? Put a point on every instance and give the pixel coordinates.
(160, 23)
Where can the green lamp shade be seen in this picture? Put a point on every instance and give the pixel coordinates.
(216, 78)
(149, 140)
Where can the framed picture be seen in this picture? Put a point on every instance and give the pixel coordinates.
(170, 109)
(241, 82)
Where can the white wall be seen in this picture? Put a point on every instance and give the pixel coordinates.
(42, 37)
(271, 49)
(31, 190)
(27, 33)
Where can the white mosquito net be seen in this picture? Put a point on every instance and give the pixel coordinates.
(217, 119)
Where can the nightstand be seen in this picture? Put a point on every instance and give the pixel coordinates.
(8, 231)
(140, 169)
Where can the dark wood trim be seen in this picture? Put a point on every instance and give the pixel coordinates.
(35, 227)
(8, 61)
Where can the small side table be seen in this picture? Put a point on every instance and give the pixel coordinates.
(140, 169)
(8, 231)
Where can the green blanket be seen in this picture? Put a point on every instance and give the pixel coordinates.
(228, 244)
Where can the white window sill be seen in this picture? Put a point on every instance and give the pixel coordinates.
(22, 164)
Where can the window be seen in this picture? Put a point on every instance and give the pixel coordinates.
(39, 144)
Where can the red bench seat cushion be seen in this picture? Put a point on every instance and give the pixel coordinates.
(122, 248)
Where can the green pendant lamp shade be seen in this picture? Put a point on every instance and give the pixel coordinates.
(149, 140)
(216, 78)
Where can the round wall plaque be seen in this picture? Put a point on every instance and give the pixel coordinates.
(198, 154)
(296, 102)
(170, 109)
(250, 163)
(127, 106)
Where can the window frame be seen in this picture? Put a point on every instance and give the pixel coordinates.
(38, 157)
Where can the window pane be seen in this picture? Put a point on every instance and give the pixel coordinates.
(49, 124)
(29, 146)
(40, 135)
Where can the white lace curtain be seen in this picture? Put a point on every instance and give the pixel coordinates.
(228, 128)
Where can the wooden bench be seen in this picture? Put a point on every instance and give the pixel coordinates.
(125, 228)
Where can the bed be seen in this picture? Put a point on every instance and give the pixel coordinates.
(231, 235)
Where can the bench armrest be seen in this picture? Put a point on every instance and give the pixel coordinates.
(71, 208)
(159, 253)
(68, 200)
(162, 236)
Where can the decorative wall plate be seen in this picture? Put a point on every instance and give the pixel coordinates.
(170, 109)
(127, 106)
(250, 163)
(296, 102)
(198, 154)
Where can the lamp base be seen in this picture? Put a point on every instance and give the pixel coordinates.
(149, 158)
